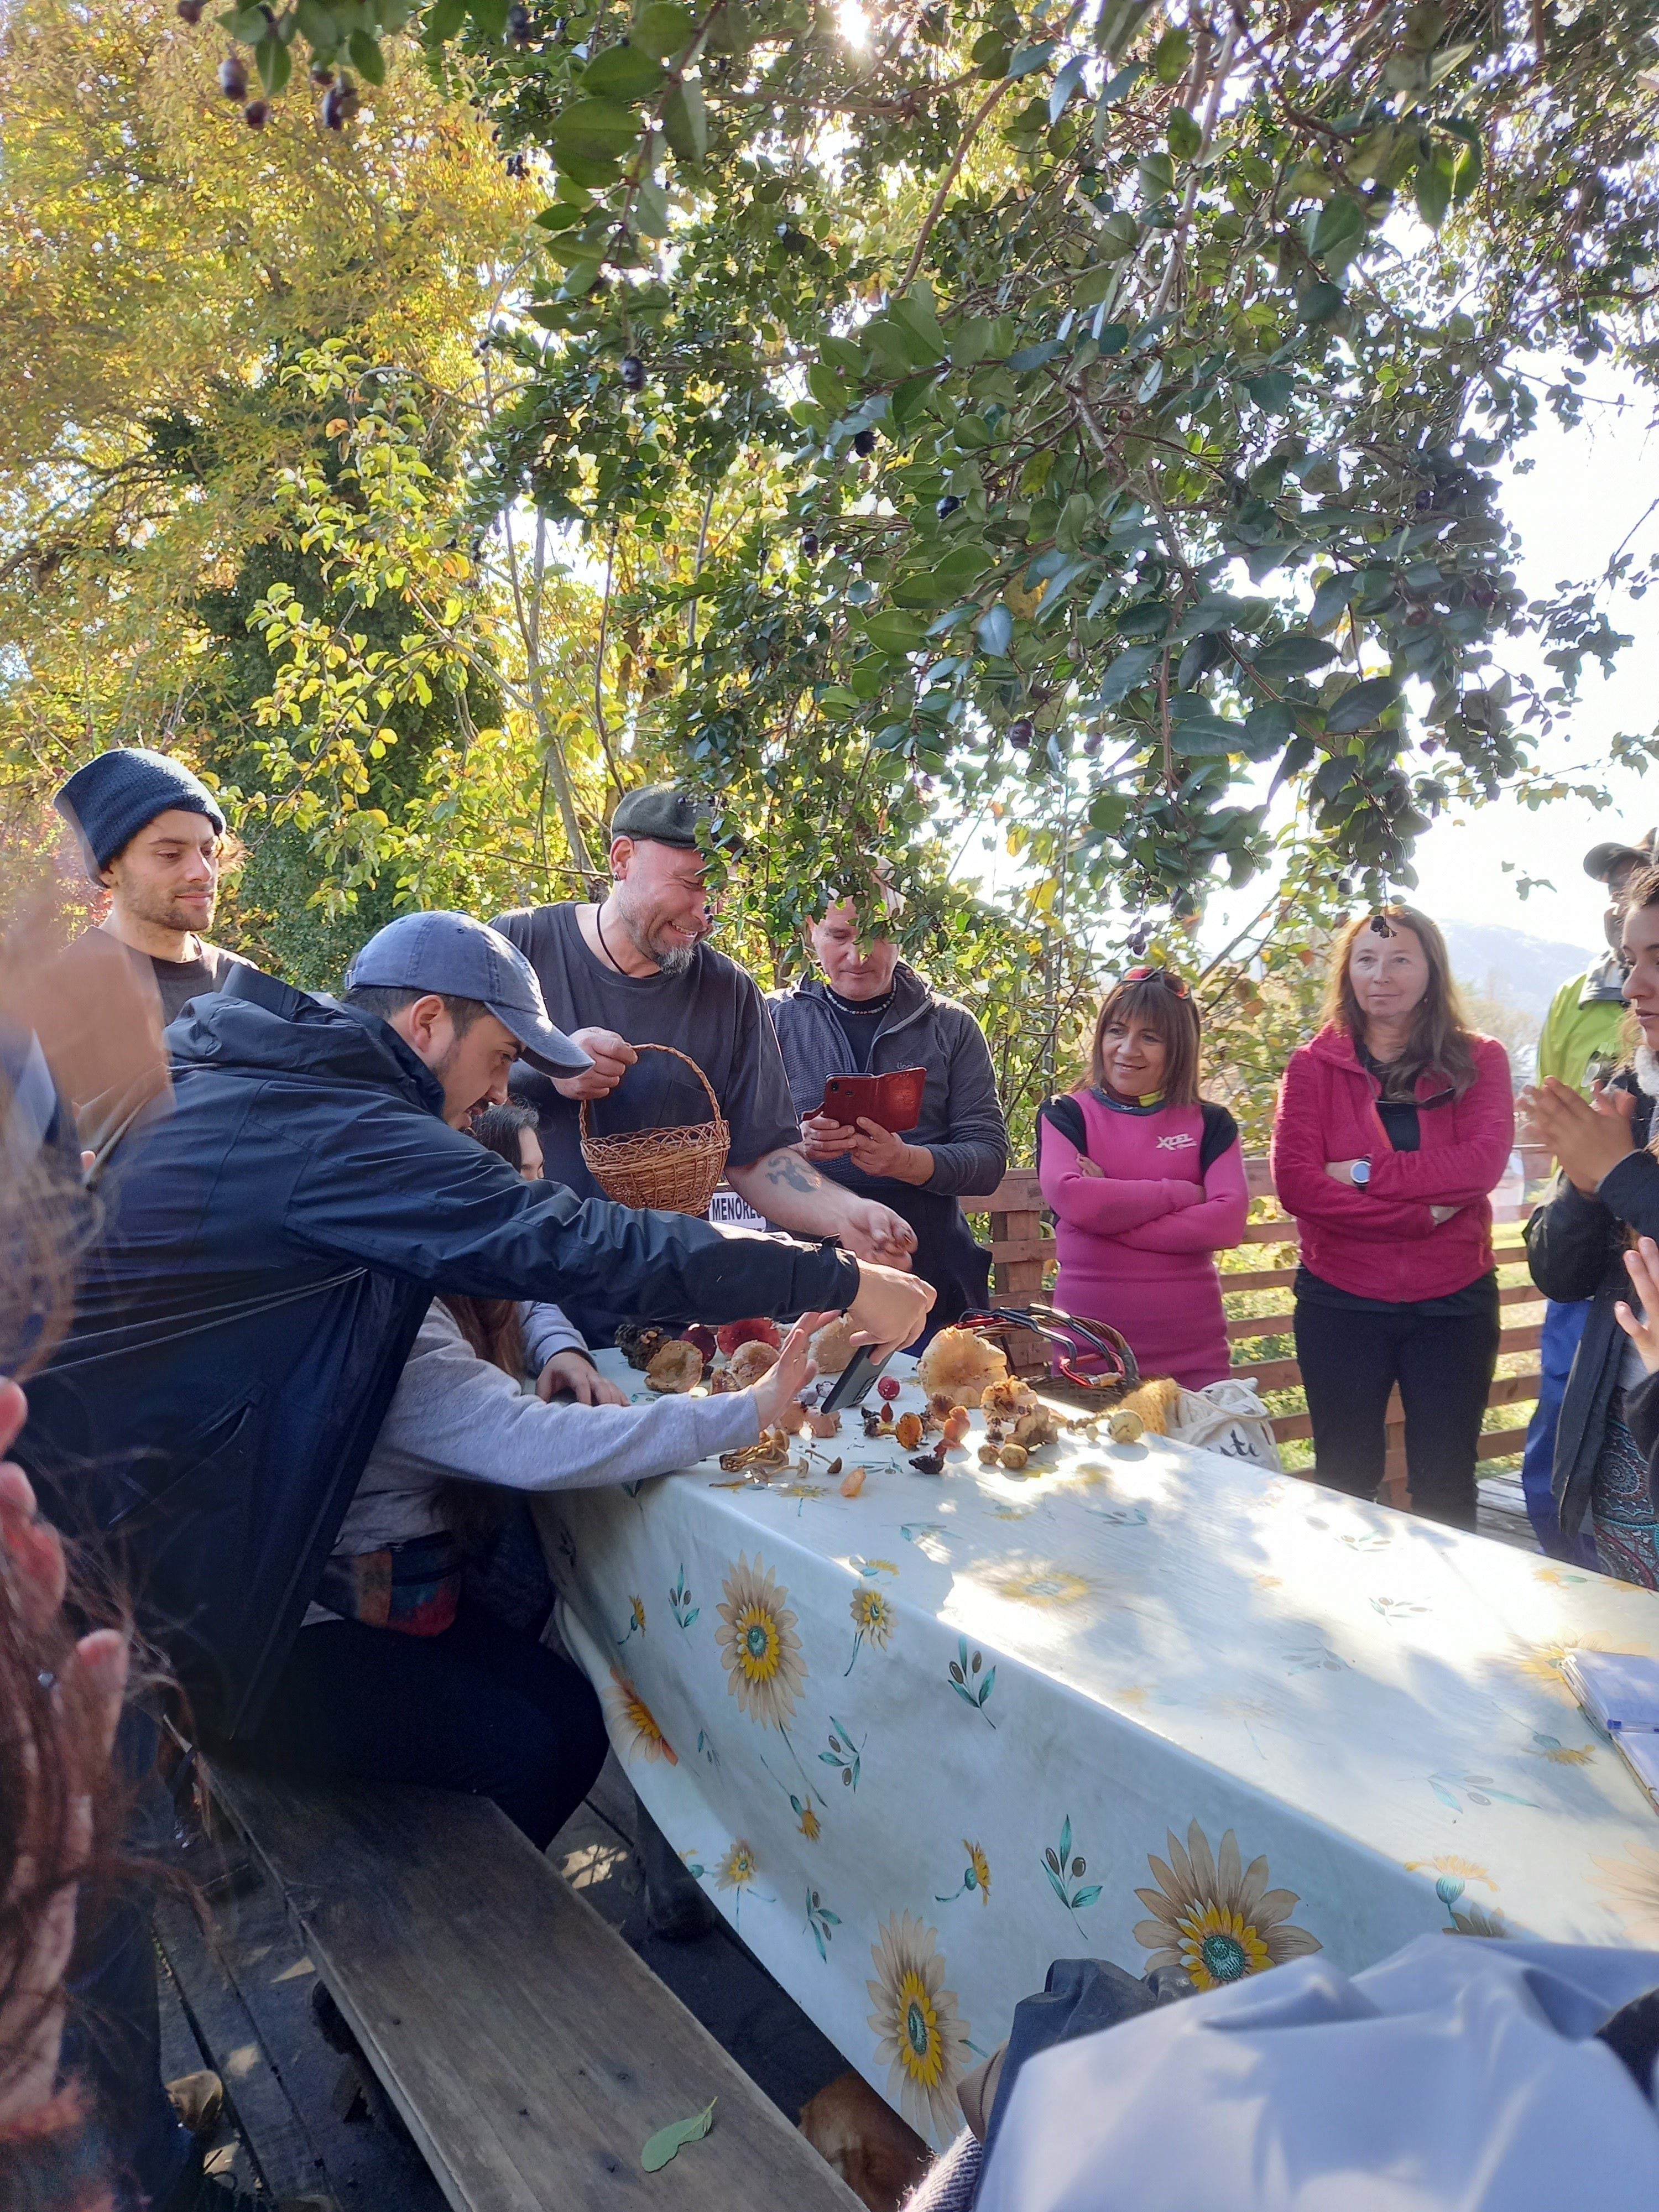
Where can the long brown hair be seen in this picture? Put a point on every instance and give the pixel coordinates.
(491, 1325)
(1175, 1020)
(1441, 1036)
(475, 1511)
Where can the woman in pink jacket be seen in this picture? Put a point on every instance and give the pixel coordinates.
(1146, 1183)
(1394, 1125)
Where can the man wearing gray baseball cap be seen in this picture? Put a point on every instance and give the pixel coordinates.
(268, 1253)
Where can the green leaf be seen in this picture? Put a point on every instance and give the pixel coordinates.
(275, 63)
(915, 312)
(1434, 185)
(996, 629)
(1029, 58)
(1182, 134)
(366, 56)
(1267, 726)
(1319, 302)
(1361, 705)
(651, 210)
(1034, 356)
(600, 129)
(662, 2146)
(895, 633)
(1156, 175)
(490, 16)
(586, 169)
(1107, 810)
(1332, 598)
(1338, 231)
(685, 122)
(1295, 655)
(1125, 671)
(442, 21)
(1066, 88)
(662, 30)
(1272, 390)
(1170, 57)
(621, 73)
(319, 27)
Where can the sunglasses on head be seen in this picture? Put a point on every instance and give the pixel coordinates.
(1174, 984)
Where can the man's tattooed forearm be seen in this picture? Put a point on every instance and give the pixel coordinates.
(788, 1171)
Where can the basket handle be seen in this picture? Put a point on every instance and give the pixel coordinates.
(674, 1051)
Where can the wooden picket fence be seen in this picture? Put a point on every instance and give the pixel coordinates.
(1023, 1252)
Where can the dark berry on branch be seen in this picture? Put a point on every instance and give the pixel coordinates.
(233, 78)
(948, 505)
(520, 28)
(864, 444)
(633, 373)
(321, 76)
(256, 114)
(1345, 886)
(1022, 732)
(809, 544)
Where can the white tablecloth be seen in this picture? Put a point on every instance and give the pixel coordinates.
(1145, 1704)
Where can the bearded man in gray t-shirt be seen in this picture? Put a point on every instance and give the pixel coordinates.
(639, 970)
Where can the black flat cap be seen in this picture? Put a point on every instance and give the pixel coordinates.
(664, 815)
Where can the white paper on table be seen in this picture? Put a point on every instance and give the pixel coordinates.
(1619, 1690)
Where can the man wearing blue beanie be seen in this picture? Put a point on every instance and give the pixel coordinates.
(150, 834)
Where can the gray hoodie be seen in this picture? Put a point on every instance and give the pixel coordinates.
(962, 1123)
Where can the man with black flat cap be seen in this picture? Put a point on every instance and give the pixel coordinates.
(1581, 1044)
(639, 970)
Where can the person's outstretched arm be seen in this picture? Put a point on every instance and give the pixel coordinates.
(442, 1212)
(1215, 1224)
(454, 1415)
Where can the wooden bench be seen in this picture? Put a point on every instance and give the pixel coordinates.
(527, 2049)
(1023, 1252)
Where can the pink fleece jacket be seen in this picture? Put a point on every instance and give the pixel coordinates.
(1136, 1243)
(1382, 1241)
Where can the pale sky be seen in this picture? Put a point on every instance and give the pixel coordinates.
(1588, 487)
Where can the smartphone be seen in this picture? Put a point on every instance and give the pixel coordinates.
(854, 1382)
(892, 1101)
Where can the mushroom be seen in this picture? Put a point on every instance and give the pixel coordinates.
(750, 1362)
(962, 1363)
(674, 1366)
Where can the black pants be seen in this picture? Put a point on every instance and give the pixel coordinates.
(1350, 1361)
(482, 1708)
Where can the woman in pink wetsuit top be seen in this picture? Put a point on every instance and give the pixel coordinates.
(1146, 1183)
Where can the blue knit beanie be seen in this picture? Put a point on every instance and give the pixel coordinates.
(112, 797)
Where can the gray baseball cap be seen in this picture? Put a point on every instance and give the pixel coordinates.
(465, 959)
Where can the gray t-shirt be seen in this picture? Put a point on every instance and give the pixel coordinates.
(713, 1013)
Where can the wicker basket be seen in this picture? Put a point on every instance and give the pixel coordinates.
(675, 1170)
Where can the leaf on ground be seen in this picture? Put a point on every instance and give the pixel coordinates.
(662, 2146)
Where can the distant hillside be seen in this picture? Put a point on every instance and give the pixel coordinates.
(1505, 964)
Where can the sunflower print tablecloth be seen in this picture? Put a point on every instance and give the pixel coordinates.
(1145, 1704)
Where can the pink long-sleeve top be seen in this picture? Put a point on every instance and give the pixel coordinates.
(1382, 1241)
(1136, 1242)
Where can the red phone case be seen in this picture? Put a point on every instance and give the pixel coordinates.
(893, 1101)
